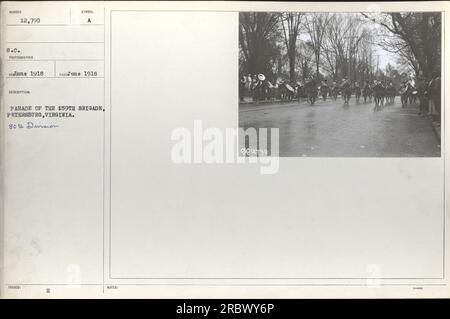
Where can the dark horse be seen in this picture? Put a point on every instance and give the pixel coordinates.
(346, 92)
(378, 95)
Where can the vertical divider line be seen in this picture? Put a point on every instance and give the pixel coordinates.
(110, 137)
(104, 146)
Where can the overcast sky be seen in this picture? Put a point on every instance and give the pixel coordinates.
(385, 58)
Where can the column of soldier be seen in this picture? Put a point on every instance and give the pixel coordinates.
(425, 92)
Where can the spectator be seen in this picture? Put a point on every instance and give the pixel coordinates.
(423, 94)
(242, 88)
(434, 90)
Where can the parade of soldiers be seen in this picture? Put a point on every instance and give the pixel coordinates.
(349, 59)
(412, 90)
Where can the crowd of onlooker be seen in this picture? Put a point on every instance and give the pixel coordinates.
(429, 93)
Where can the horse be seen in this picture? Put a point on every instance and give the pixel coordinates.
(346, 92)
(301, 92)
(357, 93)
(311, 92)
(324, 91)
(335, 92)
(378, 94)
(390, 94)
(367, 93)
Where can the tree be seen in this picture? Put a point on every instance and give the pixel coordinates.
(258, 36)
(414, 36)
(304, 57)
(315, 25)
(290, 23)
(346, 48)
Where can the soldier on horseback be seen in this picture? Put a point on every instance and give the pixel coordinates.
(324, 90)
(335, 90)
(357, 90)
(346, 90)
(390, 93)
(311, 91)
(367, 91)
(378, 95)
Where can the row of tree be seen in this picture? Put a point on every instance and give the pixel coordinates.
(335, 45)
(415, 37)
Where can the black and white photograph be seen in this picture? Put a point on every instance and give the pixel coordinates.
(360, 84)
(224, 154)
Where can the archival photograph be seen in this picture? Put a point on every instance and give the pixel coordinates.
(343, 84)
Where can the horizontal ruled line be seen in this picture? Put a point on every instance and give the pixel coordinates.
(29, 60)
(231, 284)
(21, 42)
(52, 25)
(265, 278)
(54, 77)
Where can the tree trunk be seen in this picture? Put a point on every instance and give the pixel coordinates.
(317, 65)
(292, 75)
